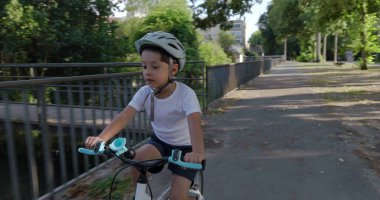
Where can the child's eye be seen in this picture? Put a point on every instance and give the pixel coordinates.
(143, 66)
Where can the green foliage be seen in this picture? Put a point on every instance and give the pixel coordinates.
(212, 54)
(58, 31)
(270, 45)
(256, 39)
(17, 26)
(212, 12)
(226, 40)
(305, 57)
(100, 188)
(355, 21)
(249, 53)
(284, 17)
(372, 44)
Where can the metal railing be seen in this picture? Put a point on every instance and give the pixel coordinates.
(222, 79)
(22, 71)
(50, 118)
(44, 121)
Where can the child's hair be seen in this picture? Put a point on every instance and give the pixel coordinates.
(165, 56)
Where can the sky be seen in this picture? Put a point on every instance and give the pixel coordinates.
(251, 18)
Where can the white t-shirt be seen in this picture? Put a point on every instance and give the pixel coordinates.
(170, 114)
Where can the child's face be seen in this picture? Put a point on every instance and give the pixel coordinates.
(156, 72)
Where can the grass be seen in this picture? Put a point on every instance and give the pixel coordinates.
(99, 189)
(216, 111)
(319, 82)
(346, 93)
(329, 79)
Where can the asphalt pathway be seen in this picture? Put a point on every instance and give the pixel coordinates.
(275, 141)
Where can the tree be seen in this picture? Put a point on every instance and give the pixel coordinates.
(58, 31)
(353, 16)
(283, 22)
(17, 26)
(256, 39)
(226, 40)
(210, 13)
(366, 11)
(270, 45)
(212, 54)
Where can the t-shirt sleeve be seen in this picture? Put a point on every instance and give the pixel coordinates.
(191, 103)
(138, 100)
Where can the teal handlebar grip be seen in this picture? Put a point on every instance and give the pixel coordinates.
(175, 158)
(89, 152)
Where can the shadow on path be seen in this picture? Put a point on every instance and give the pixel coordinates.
(280, 137)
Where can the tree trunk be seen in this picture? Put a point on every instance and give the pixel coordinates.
(336, 48)
(318, 47)
(324, 47)
(285, 48)
(363, 35)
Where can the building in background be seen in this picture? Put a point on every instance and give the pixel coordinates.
(238, 30)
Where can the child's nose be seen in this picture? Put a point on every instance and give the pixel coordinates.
(148, 70)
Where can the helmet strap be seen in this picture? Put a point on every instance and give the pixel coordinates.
(159, 90)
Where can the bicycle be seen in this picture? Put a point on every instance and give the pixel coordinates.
(119, 149)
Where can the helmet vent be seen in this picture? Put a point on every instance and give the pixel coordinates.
(181, 46)
(172, 45)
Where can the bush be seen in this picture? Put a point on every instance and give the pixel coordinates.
(305, 57)
(212, 54)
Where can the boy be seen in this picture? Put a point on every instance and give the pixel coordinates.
(172, 106)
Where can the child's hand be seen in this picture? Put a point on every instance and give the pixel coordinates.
(194, 157)
(91, 142)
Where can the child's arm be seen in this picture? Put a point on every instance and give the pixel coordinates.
(117, 124)
(196, 135)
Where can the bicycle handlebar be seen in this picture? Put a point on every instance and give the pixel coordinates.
(118, 147)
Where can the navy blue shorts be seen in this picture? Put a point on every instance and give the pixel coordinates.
(166, 150)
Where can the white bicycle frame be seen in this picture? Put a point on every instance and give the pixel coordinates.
(141, 193)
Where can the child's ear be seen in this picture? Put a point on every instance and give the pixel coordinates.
(175, 69)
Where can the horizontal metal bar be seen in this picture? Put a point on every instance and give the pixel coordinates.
(63, 65)
(34, 82)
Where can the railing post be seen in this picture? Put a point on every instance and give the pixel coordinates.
(12, 158)
(30, 148)
(204, 85)
(46, 146)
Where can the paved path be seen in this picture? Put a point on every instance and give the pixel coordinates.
(276, 141)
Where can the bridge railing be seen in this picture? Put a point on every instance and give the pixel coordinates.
(42, 137)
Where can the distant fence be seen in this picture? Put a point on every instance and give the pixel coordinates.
(45, 120)
(222, 79)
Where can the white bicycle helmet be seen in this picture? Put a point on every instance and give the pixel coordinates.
(166, 41)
